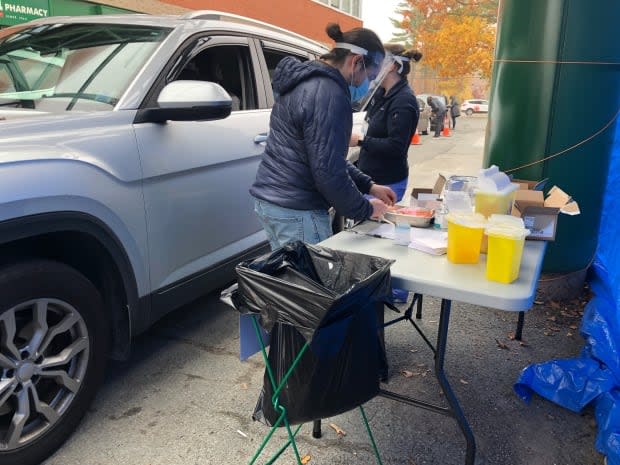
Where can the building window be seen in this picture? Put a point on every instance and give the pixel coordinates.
(352, 7)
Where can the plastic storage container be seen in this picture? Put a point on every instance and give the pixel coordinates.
(495, 193)
(495, 202)
(505, 250)
(458, 193)
(499, 220)
(465, 231)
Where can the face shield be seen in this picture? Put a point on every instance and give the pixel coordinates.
(386, 67)
(359, 93)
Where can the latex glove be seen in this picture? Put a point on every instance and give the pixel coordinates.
(378, 208)
(383, 193)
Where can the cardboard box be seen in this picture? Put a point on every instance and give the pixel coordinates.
(541, 221)
(540, 214)
(436, 189)
(429, 197)
(526, 198)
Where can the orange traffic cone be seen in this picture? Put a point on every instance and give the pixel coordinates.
(446, 128)
(416, 139)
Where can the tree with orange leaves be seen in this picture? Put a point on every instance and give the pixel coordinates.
(457, 37)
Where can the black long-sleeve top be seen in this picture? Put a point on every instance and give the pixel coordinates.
(392, 120)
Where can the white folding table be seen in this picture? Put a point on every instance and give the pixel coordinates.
(430, 275)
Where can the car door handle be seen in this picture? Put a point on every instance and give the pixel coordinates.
(260, 138)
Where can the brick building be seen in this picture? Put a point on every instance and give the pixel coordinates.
(305, 17)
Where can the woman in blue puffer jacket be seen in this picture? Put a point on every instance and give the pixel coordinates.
(304, 170)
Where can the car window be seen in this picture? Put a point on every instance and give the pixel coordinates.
(230, 67)
(273, 57)
(274, 53)
(62, 67)
(6, 81)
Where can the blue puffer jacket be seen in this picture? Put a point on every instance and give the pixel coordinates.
(304, 166)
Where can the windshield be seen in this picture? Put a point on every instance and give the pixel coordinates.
(63, 67)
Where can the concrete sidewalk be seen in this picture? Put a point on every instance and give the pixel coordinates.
(459, 154)
(184, 398)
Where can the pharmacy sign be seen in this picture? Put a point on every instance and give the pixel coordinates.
(20, 11)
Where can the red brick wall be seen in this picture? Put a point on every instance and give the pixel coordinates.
(304, 17)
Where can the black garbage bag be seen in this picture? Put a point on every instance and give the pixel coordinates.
(328, 298)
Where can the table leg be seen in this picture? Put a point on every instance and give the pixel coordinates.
(454, 410)
(418, 313)
(316, 429)
(442, 339)
(519, 331)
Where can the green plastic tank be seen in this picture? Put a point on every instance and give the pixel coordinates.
(554, 101)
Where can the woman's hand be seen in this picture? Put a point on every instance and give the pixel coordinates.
(383, 193)
(378, 208)
(355, 138)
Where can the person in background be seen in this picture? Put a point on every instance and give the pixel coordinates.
(438, 112)
(392, 119)
(455, 110)
(304, 171)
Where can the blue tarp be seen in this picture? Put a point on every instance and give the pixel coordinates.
(594, 376)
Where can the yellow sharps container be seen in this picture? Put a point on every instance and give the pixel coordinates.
(505, 249)
(465, 232)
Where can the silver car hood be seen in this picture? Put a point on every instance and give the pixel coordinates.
(34, 135)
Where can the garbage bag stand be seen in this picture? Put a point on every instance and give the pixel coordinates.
(282, 419)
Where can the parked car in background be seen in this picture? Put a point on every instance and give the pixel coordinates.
(124, 177)
(469, 107)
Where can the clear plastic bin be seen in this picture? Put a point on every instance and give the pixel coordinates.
(465, 231)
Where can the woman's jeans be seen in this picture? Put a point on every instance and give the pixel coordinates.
(284, 225)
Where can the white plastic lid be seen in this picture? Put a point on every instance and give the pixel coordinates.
(511, 187)
(468, 219)
(496, 219)
(507, 231)
(492, 180)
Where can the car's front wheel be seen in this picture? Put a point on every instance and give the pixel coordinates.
(469, 112)
(53, 340)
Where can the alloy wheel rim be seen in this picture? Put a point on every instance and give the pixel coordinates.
(44, 349)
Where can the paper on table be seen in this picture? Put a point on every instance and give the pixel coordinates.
(431, 241)
(427, 240)
(383, 230)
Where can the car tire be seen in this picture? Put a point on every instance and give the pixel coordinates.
(469, 112)
(52, 356)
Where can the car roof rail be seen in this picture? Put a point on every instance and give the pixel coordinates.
(215, 15)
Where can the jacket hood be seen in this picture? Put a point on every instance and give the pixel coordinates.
(290, 72)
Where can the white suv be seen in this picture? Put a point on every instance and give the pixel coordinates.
(469, 107)
(124, 180)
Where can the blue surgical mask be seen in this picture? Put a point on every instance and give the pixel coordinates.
(358, 92)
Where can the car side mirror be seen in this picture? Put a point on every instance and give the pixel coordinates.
(188, 101)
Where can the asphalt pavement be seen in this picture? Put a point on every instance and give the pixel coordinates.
(184, 397)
